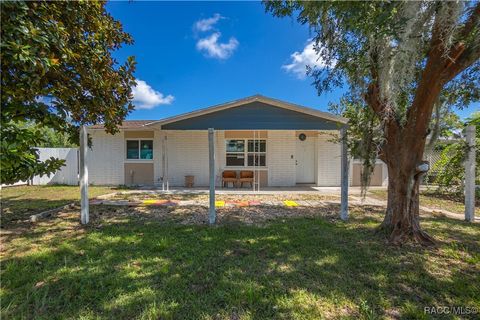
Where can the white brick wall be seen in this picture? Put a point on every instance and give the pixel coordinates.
(157, 157)
(187, 155)
(328, 160)
(220, 158)
(281, 166)
(105, 159)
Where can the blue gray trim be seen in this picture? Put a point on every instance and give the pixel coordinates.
(254, 116)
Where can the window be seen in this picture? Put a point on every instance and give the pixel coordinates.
(258, 158)
(140, 149)
(235, 153)
(257, 145)
(132, 149)
(146, 149)
(235, 159)
(255, 153)
(236, 146)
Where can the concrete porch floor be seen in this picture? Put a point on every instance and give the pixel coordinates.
(247, 191)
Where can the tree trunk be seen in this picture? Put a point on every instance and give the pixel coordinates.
(402, 218)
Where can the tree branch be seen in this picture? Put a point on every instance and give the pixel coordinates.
(463, 55)
(372, 98)
(470, 23)
(465, 59)
(435, 133)
(435, 75)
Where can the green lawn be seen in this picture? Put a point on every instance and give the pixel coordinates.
(433, 199)
(136, 267)
(20, 201)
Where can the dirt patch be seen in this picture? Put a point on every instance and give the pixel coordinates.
(199, 214)
(221, 197)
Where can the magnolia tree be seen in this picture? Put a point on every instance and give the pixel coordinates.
(397, 58)
(58, 73)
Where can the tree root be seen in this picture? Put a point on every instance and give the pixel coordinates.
(399, 237)
(384, 229)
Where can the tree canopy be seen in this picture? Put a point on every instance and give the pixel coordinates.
(60, 50)
(398, 59)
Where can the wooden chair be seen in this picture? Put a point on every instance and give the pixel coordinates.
(229, 176)
(246, 177)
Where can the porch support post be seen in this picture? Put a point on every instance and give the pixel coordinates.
(211, 166)
(84, 175)
(344, 175)
(470, 175)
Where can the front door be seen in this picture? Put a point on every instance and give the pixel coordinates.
(305, 160)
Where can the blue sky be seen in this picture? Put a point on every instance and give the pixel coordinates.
(192, 55)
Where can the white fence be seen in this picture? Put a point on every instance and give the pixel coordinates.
(68, 174)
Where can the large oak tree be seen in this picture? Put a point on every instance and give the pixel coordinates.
(57, 72)
(397, 56)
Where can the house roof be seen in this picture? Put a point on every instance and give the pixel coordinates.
(126, 124)
(264, 113)
(255, 98)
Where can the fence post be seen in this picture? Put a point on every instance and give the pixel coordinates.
(344, 175)
(470, 175)
(84, 217)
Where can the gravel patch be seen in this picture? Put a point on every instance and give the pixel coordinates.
(221, 197)
(198, 215)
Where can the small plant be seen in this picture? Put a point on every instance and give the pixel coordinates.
(366, 311)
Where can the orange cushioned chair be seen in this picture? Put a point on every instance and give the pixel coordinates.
(246, 176)
(229, 176)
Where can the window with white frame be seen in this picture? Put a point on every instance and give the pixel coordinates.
(246, 153)
(235, 153)
(256, 153)
(139, 149)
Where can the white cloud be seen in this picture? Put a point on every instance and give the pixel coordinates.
(300, 61)
(207, 24)
(212, 48)
(209, 44)
(145, 97)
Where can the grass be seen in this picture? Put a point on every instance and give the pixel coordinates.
(135, 267)
(21, 201)
(434, 199)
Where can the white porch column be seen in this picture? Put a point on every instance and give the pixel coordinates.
(470, 175)
(344, 175)
(84, 175)
(211, 165)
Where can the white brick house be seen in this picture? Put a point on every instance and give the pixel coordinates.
(284, 144)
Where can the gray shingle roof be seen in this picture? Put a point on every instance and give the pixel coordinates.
(127, 124)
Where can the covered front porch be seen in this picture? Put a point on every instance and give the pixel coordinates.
(277, 144)
(272, 158)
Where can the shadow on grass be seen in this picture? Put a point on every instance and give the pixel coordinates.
(298, 268)
(19, 202)
(456, 197)
(14, 209)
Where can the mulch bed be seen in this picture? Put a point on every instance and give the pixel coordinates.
(222, 197)
(199, 214)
